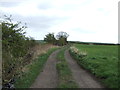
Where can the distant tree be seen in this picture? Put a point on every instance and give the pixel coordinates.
(50, 38)
(62, 38)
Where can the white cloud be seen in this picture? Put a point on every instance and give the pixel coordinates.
(86, 20)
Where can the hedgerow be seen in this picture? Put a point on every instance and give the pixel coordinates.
(15, 48)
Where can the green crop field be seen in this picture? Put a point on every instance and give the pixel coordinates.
(101, 60)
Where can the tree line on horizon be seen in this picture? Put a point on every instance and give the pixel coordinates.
(60, 39)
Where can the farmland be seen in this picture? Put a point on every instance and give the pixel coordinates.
(30, 63)
(101, 60)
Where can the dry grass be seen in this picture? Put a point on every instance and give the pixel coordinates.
(32, 70)
(40, 49)
(78, 52)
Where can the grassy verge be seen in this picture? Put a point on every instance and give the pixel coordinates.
(33, 70)
(64, 73)
(100, 60)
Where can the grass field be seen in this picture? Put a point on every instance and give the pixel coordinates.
(33, 70)
(101, 60)
(64, 73)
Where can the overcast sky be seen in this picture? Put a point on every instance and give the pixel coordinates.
(83, 20)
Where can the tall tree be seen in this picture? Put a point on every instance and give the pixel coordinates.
(50, 38)
(62, 38)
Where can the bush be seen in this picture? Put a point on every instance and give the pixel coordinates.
(77, 54)
(15, 45)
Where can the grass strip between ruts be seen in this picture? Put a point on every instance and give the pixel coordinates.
(64, 73)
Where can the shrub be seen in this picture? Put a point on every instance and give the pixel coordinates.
(78, 54)
(15, 45)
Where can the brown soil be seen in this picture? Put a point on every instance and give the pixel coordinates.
(81, 76)
(48, 78)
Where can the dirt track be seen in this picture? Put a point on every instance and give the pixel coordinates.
(48, 78)
(81, 76)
